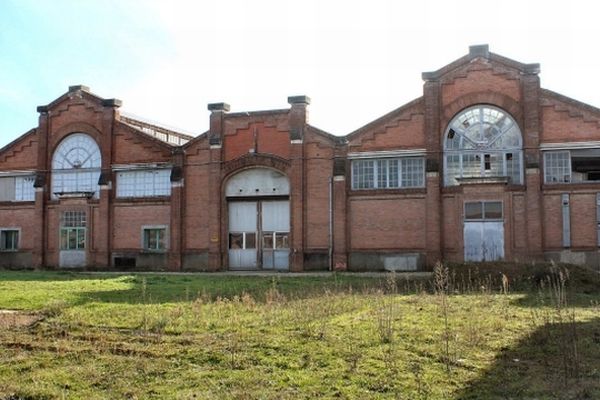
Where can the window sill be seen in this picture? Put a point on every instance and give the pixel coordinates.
(371, 192)
(9, 250)
(142, 199)
(148, 251)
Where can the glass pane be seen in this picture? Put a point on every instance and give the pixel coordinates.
(72, 239)
(161, 234)
(250, 240)
(80, 238)
(236, 240)
(282, 240)
(382, 174)
(267, 240)
(473, 210)
(492, 209)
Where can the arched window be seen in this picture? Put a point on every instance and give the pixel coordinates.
(76, 166)
(483, 141)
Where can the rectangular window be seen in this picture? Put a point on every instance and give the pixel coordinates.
(483, 210)
(155, 238)
(144, 183)
(9, 239)
(405, 172)
(17, 188)
(557, 167)
(566, 220)
(73, 230)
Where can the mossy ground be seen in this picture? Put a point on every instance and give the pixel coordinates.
(341, 336)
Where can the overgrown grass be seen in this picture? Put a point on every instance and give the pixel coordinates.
(341, 336)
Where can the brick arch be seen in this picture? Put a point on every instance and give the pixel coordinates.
(255, 160)
(499, 100)
(74, 127)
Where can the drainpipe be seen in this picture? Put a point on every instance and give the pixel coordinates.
(331, 223)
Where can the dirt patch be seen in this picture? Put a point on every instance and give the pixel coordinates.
(17, 319)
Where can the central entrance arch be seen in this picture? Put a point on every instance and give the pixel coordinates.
(259, 220)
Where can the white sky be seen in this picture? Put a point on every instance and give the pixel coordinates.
(357, 60)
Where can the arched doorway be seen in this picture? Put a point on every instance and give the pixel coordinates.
(483, 144)
(76, 164)
(259, 220)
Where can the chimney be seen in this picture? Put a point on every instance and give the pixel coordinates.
(298, 116)
(217, 114)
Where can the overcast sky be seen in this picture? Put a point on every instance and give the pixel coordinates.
(357, 60)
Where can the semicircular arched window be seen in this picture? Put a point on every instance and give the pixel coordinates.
(76, 166)
(483, 142)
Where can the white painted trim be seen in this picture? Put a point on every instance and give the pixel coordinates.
(387, 154)
(215, 146)
(296, 141)
(140, 166)
(167, 238)
(339, 178)
(9, 174)
(570, 145)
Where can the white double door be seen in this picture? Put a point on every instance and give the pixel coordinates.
(484, 241)
(259, 234)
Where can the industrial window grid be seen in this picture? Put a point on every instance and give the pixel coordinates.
(9, 239)
(24, 190)
(482, 141)
(73, 230)
(76, 165)
(407, 172)
(557, 167)
(144, 183)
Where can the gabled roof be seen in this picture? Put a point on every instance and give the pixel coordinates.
(570, 101)
(398, 111)
(481, 51)
(83, 92)
(17, 140)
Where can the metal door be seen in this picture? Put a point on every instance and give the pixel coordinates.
(275, 230)
(243, 229)
(484, 241)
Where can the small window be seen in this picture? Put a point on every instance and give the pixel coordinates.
(483, 210)
(155, 238)
(9, 240)
(73, 230)
(242, 240)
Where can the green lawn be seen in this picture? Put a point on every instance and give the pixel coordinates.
(341, 336)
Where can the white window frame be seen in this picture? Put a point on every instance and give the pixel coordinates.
(154, 182)
(547, 168)
(461, 145)
(401, 176)
(17, 246)
(71, 174)
(69, 229)
(144, 242)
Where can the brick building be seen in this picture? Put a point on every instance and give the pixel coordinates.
(485, 165)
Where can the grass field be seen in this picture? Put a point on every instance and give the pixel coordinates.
(464, 334)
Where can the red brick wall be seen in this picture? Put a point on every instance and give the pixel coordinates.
(21, 217)
(129, 219)
(552, 221)
(319, 167)
(130, 147)
(481, 78)
(387, 223)
(583, 220)
(565, 124)
(22, 155)
(259, 136)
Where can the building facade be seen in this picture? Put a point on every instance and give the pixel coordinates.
(485, 165)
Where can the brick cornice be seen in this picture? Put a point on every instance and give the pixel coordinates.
(255, 160)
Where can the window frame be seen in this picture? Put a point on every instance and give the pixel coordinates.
(483, 218)
(459, 145)
(73, 223)
(375, 178)
(136, 179)
(80, 178)
(145, 239)
(16, 246)
(546, 155)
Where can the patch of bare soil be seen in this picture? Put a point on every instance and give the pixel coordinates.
(10, 319)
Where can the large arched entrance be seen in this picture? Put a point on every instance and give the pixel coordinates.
(483, 144)
(259, 220)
